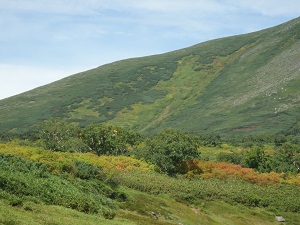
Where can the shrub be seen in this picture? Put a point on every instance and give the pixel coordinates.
(58, 135)
(234, 158)
(194, 191)
(168, 149)
(21, 179)
(109, 140)
(85, 170)
(256, 158)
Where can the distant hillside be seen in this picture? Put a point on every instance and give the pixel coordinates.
(246, 83)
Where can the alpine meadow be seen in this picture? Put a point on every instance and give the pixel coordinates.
(208, 134)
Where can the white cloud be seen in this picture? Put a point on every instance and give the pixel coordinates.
(171, 6)
(79, 18)
(270, 8)
(67, 33)
(265, 7)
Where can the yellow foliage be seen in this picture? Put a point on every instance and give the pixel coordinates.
(60, 161)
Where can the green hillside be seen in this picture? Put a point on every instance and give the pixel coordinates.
(246, 83)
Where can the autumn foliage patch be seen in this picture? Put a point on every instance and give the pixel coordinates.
(223, 170)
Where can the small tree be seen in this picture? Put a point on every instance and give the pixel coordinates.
(283, 160)
(256, 158)
(168, 149)
(109, 140)
(58, 135)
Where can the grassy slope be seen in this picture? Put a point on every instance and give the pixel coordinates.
(174, 201)
(170, 212)
(38, 214)
(242, 83)
(257, 92)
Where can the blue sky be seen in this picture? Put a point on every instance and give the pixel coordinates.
(42, 41)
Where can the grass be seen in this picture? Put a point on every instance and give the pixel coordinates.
(174, 212)
(39, 214)
(137, 212)
(210, 153)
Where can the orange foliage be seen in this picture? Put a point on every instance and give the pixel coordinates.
(223, 170)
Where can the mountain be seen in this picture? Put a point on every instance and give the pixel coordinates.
(246, 83)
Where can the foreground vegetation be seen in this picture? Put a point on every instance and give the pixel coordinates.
(109, 174)
(128, 193)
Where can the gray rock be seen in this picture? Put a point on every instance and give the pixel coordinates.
(154, 215)
(280, 219)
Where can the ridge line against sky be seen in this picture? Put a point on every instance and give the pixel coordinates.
(43, 41)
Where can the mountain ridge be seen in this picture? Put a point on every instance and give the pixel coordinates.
(243, 83)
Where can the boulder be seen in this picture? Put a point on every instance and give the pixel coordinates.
(280, 219)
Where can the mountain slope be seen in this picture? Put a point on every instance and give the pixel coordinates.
(245, 83)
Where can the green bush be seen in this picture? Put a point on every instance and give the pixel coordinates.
(14, 163)
(255, 158)
(109, 140)
(22, 180)
(58, 135)
(86, 171)
(168, 149)
(235, 158)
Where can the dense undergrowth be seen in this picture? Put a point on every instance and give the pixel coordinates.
(63, 162)
(22, 180)
(86, 182)
(194, 191)
(100, 170)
